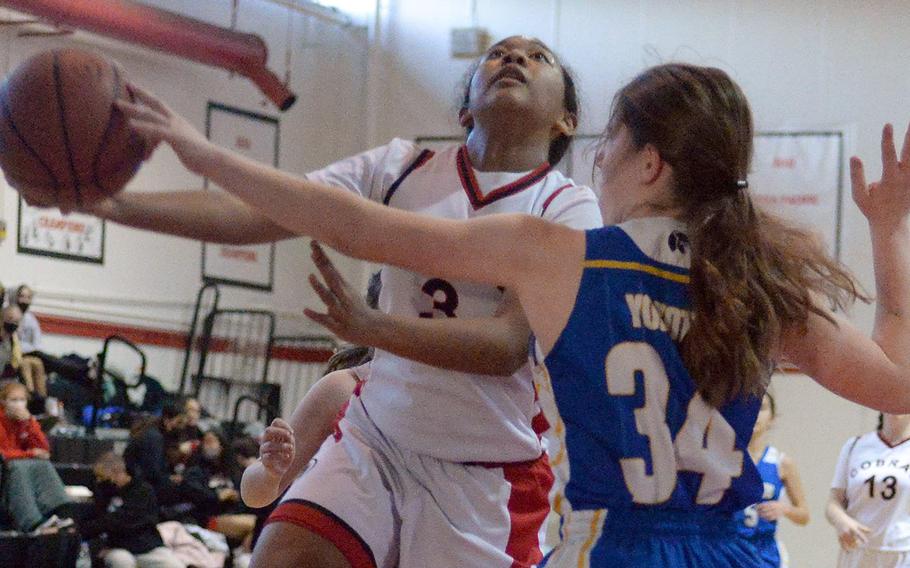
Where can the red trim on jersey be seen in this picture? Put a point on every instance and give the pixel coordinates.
(552, 197)
(336, 424)
(472, 188)
(529, 505)
(324, 523)
(539, 423)
(884, 441)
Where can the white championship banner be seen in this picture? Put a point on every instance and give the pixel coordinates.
(798, 175)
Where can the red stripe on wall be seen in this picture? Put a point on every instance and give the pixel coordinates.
(58, 325)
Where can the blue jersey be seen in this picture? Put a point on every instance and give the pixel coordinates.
(749, 522)
(629, 429)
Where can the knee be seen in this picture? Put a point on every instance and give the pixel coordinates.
(119, 558)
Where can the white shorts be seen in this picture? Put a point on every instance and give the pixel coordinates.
(385, 507)
(870, 558)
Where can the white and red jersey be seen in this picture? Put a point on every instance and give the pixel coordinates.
(875, 477)
(445, 414)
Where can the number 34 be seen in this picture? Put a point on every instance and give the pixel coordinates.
(705, 444)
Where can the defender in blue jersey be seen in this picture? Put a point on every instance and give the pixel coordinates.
(658, 332)
(779, 476)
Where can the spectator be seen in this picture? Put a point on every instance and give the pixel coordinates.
(188, 435)
(146, 453)
(127, 511)
(12, 362)
(31, 343)
(211, 483)
(35, 494)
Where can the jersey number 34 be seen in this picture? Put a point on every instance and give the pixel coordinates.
(705, 444)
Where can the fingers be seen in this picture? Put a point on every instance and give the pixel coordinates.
(889, 153)
(135, 111)
(858, 180)
(327, 297)
(279, 423)
(148, 98)
(327, 268)
(324, 320)
(905, 148)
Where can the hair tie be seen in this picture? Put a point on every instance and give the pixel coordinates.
(742, 184)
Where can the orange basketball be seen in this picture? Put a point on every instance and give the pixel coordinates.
(62, 141)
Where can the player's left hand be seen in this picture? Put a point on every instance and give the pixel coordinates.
(347, 315)
(885, 203)
(772, 510)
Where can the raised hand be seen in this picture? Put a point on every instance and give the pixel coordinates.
(276, 451)
(347, 314)
(885, 203)
(152, 119)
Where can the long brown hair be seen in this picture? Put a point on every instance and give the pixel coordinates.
(752, 274)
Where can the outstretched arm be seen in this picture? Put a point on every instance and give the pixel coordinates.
(541, 261)
(885, 204)
(495, 345)
(209, 216)
(872, 372)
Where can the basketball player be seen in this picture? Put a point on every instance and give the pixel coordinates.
(758, 522)
(657, 334)
(869, 505)
(430, 464)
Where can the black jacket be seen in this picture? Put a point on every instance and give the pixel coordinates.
(129, 516)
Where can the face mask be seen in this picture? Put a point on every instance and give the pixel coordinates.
(24, 307)
(10, 327)
(15, 405)
(211, 453)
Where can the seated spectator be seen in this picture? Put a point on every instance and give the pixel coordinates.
(146, 453)
(13, 365)
(127, 512)
(35, 494)
(30, 339)
(211, 483)
(188, 435)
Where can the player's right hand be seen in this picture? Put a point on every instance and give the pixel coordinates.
(152, 119)
(276, 451)
(852, 534)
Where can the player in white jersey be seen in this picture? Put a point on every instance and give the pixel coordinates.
(466, 431)
(679, 392)
(869, 503)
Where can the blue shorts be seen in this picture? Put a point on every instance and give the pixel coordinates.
(766, 545)
(649, 539)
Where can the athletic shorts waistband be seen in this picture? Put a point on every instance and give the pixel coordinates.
(652, 522)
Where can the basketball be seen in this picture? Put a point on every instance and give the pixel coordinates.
(62, 141)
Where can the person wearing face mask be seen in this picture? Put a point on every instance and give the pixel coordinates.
(35, 494)
(127, 512)
(147, 451)
(30, 339)
(13, 364)
(210, 482)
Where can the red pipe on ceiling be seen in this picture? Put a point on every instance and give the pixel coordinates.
(241, 53)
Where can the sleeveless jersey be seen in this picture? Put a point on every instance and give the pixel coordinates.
(630, 430)
(875, 477)
(446, 414)
(749, 523)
